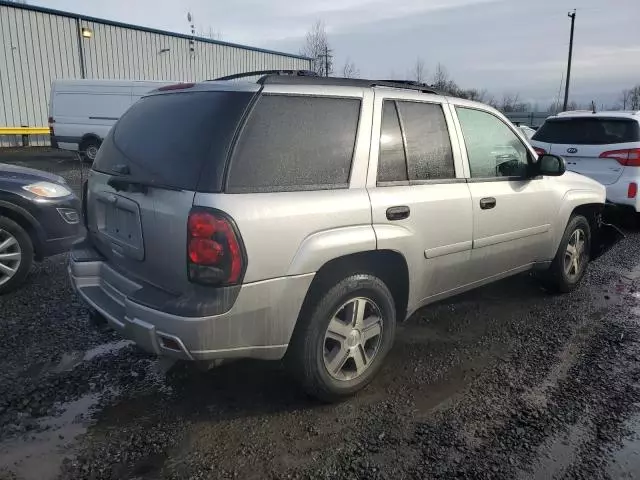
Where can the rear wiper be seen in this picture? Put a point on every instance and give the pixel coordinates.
(121, 183)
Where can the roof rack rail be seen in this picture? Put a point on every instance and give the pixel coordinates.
(299, 73)
(346, 82)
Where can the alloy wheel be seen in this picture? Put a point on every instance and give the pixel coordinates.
(353, 339)
(575, 255)
(10, 256)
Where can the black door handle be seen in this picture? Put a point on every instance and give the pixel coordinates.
(398, 213)
(487, 203)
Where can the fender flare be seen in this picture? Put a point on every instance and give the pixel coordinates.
(322, 247)
(30, 219)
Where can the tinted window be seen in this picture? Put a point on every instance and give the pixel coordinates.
(171, 138)
(429, 154)
(492, 148)
(588, 131)
(295, 143)
(392, 165)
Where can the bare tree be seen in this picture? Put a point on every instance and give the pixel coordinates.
(316, 47)
(349, 70)
(443, 82)
(440, 79)
(511, 103)
(418, 72)
(634, 98)
(475, 95)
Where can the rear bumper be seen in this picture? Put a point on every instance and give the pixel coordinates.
(258, 325)
(617, 193)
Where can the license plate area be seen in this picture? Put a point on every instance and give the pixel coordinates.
(118, 222)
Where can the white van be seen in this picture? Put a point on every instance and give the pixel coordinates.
(81, 112)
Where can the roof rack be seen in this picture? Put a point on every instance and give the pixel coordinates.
(346, 82)
(287, 73)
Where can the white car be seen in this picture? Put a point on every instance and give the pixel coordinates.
(528, 131)
(604, 146)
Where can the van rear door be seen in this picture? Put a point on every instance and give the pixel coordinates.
(164, 148)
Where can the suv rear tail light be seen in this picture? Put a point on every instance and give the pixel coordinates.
(540, 151)
(215, 255)
(628, 158)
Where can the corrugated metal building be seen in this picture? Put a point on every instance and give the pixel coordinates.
(39, 45)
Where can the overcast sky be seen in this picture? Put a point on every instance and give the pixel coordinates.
(514, 46)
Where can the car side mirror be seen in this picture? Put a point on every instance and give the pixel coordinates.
(551, 165)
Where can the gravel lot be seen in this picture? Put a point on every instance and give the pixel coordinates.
(503, 382)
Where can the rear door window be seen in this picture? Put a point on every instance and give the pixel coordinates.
(295, 142)
(179, 139)
(392, 162)
(588, 131)
(429, 153)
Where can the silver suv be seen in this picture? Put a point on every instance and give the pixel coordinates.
(302, 217)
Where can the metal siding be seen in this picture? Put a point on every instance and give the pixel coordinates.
(38, 47)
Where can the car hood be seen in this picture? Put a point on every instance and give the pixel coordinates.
(575, 181)
(24, 175)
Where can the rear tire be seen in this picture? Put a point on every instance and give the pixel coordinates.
(89, 149)
(16, 255)
(342, 337)
(571, 260)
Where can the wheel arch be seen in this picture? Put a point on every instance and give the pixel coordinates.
(27, 222)
(388, 265)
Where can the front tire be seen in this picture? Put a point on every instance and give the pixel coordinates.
(342, 337)
(571, 260)
(16, 255)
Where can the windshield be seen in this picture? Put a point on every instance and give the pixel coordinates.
(170, 138)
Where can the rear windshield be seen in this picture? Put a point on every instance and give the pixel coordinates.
(588, 131)
(175, 139)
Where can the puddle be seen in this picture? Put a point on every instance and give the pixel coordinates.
(557, 454)
(625, 463)
(71, 360)
(38, 456)
(105, 349)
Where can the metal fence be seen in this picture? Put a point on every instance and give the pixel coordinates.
(531, 119)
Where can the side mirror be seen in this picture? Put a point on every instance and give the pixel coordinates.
(551, 165)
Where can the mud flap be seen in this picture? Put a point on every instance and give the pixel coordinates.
(606, 237)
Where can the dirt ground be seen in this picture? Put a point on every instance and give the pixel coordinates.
(506, 381)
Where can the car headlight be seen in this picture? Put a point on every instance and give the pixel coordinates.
(47, 190)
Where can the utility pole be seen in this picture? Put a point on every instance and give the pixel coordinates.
(566, 88)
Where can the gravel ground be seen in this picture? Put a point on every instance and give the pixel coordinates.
(503, 382)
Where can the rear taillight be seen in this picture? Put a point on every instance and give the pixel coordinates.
(214, 253)
(540, 151)
(632, 191)
(628, 157)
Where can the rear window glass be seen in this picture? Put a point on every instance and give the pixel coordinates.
(294, 143)
(175, 139)
(588, 131)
